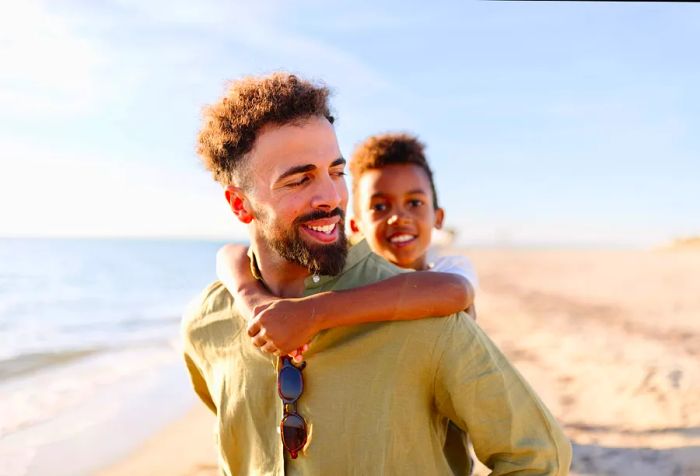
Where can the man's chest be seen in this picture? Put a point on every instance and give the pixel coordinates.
(354, 379)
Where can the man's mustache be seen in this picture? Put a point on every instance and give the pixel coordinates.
(318, 215)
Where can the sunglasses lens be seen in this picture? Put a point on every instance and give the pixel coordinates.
(290, 384)
(293, 433)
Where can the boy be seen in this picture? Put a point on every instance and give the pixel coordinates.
(395, 209)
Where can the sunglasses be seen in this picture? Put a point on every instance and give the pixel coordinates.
(290, 386)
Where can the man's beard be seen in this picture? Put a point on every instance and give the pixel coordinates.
(318, 259)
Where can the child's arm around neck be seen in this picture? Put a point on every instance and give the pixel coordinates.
(407, 296)
(288, 324)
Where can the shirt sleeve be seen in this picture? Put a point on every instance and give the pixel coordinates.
(192, 356)
(480, 391)
(457, 264)
(199, 383)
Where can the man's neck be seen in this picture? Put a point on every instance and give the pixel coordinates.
(282, 278)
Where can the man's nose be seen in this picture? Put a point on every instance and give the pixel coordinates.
(329, 194)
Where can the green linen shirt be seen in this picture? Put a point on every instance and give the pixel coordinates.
(377, 397)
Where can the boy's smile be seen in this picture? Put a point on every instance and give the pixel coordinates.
(395, 213)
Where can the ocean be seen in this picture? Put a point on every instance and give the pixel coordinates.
(89, 346)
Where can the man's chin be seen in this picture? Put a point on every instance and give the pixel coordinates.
(312, 243)
(318, 258)
(326, 258)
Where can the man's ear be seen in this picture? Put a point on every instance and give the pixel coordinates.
(439, 217)
(239, 204)
(354, 227)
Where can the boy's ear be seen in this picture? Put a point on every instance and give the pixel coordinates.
(239, 204)
(354, 226)
(439, 217)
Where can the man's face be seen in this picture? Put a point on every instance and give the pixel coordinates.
(396, 213)
(299, 196)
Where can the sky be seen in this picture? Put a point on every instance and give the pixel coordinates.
(546, 123)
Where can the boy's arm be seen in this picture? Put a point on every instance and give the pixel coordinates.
(290, 323)
(460, 265)
(251, 296)
(404, 297)
(233, 270)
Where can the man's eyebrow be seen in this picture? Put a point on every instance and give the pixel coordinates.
(297, 169)
(301, 169)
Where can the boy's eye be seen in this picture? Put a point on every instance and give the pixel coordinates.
(339, 174)
(415, 202)
(379, 207)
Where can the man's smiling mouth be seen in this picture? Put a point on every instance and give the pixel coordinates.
(327, 229)
(324, 230)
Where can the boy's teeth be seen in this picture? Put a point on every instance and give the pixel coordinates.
(323, 229)
(401, 238)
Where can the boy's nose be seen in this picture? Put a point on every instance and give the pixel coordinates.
(397, 219)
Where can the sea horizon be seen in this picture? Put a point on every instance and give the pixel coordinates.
(458, 245)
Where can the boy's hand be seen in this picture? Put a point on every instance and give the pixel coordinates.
(284, 326)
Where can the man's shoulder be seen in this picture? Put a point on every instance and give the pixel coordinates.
(213, 305)
(370, 269)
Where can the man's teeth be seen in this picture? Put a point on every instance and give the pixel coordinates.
(327, 229)
(401, 238)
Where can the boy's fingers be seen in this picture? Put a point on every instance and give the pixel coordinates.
(270, 348)
(253, 328)
(296, 355)
(305, 347)
(260, 339)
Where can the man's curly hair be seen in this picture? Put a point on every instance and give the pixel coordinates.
(231, 125)
(380, 150)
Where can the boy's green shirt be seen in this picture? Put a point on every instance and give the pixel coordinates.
(377, 397)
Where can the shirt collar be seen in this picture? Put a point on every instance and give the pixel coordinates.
(254, 269)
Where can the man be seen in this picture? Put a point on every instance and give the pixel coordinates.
(376, 398)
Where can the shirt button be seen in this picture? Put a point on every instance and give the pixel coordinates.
(316, 278)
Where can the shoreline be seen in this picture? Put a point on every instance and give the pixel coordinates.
(104, 429)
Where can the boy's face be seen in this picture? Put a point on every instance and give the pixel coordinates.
(395, 213)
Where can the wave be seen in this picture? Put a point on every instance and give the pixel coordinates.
(28, 363)
(24, 364)
(34, 398)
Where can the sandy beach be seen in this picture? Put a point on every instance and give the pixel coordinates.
(609, 339)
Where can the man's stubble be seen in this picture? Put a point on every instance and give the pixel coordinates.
(288, 243)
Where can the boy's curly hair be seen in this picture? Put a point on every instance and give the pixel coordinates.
(231, 125)
(380, 150)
